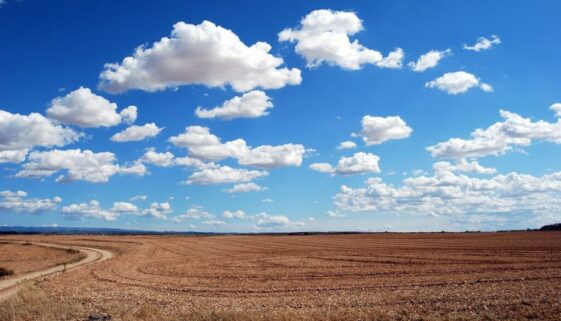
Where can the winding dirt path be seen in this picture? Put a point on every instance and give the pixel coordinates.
(9, 286)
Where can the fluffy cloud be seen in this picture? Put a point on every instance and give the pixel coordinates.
(224, 174)
(250, 105)
(452, 194)
(158, 210)
(556, 108)
(376, 130)
(93, 209)
(136, 133)
(193, 214)
(20, 133)
(124, 207)
(129, 114)
(203, 145)
(268, 156)
(245, 188)
(158, 159)
(267, 221)
(86, 109)
(462, 166)
(87, 210)
(323, 36)
(346, 145)
(167, 159)
(19, 202)
(457, 83)
(429, 60)
(359, 163)
(483, 43)
(79, 165)
(239, 214)
(199, 54)
(513, 131)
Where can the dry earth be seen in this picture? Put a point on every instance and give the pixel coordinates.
(440, 276)
(24, 258)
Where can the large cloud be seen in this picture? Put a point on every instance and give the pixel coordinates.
(199, 54)
(346, 145)
(513, 131)
(251, 105)
(224, 174)
(167, 159)
(203, 145)
(245, 188)
(86, 109)
(429, 60)
(268, 156)
(376, 130)
(93, 209)
(239, 214)
(457, 83)
(266, 221)
(448, 192)
(359, 163)
(20, 133)
(88, 210)
(483, 43)
(323, 36)
(193, 214)
(19, 202)
(78, 165)
(136, 133)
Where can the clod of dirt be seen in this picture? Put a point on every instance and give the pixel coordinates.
(99, 317)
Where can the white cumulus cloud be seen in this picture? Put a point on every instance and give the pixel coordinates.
(246, 187)
(204, 54)
(266, 221)
(239, 214)
(450, 192)
(556, 108)
(513, 131)
(346, 145)
(77, 165)
(359, 163)
(323, 37)
(136, 133)
(203, 145)
(429, 60)
(457, 83)
(376, 130)
(129, 114)
(19, 202)
(224, 174)
(21, 133)
(252, 104)
(85, 109)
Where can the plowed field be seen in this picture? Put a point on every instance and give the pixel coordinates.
(440, 276)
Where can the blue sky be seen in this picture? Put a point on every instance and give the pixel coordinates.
(406, 82)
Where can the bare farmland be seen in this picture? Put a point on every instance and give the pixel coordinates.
(23, 258)
(439, 276)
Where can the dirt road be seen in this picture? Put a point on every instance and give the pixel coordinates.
(9, 286)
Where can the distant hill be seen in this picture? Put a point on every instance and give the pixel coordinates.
(86, 230)
(551, 227)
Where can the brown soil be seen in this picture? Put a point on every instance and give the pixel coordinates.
(440, 276)
(24, 258)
